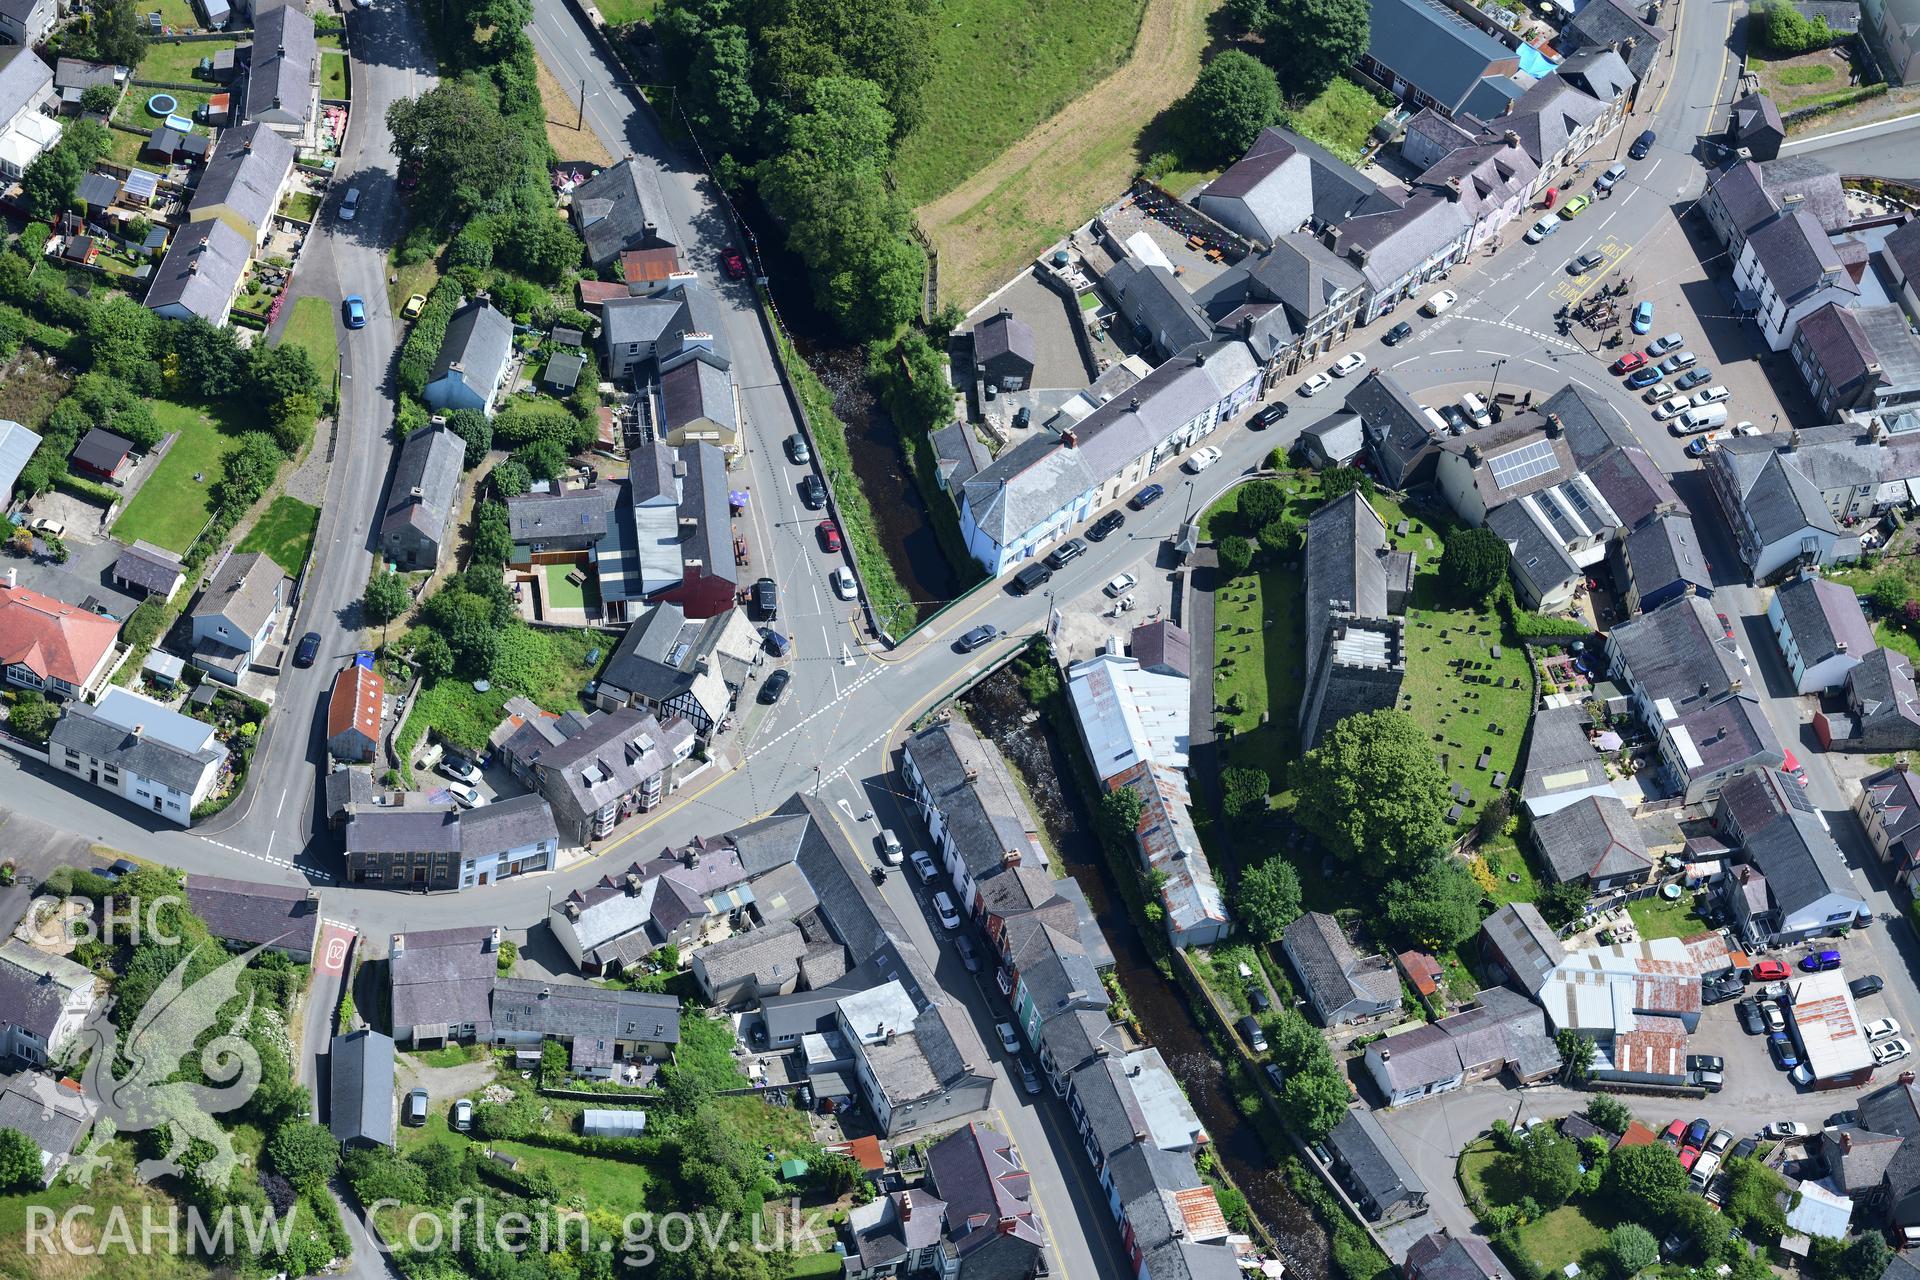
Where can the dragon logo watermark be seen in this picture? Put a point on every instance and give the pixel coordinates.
(151, 1095)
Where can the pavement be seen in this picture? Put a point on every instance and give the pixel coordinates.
(1886, 148)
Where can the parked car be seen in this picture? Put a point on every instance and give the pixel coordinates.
(1691, 379)
(1671, 407)
(1743, 1148)
(1699, 448)
(1585, 262)
(1881, 1028)
(1697, 1133)
(969, 954)
(1706, 1062)
(1646, 377)
(1722, 1138)
(1660, 346)
(813, 492)
(414, 306)
(309, 649)
(1268, 415)
(1748, 1011)
(943, 907)
(1350, 363)
(1398, 334)
(1440, 302)
(844, 585)
(1783, 1051)
(1786, 1129)
(1641, 145)
(1769, 971)
(1108, 523)
(1820, 961)
(1029, 579)
(1315, 385)
(735, 264)
(1202, 459)
(466, 796)
(1677, 361)
(356, 311)
(923, 866)
(1628, 362)
(1866, 986)
(1703, 1170)
(775, 685)
(1065, 554)
(766, 598)
(1891, 1051)
(1673, 1133)
(415, 1112)
(1147, 497)
(350, 204)
(1009, 1038)
(976, 637)
(459, 769)
(797, 451)
(1542, 229)
(1711, 1081)
(1776, 1018)
(1250, 1031)
(1120, 585)
(1606, 181)
(1257, 998)
(1643, 317)
(463, 1115)
(1721, 989)
(892, 852)
(1712, 395)
(1029, 1079)
(1687, 1156)
(1574, 207)
(829, 533)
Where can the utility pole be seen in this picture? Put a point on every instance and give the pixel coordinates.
(581, 121)
(1496, 377)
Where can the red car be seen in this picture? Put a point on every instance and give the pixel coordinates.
(829, 534)
(1688, 1155)
(1628, 362)
(1674, 1133)
(735, 264)
(1771, 971)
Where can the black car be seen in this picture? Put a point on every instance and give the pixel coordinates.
(1456, 418)
(1866, 986)
(1250, 1031)
(1841, 1119)
(1585, 263)
(1722, 989)
(1146, 497)
(1398, 334)
(969, 954)
(797, 450)
(1641, 145)
(1065, 553)
(1705, 1062)
(973, 639)
(1030, 578)
(1691, 379)
(1268, 416)
(1257, 997)
(813, 492)
(1751, 1020)
(309, 649)
(1106, 524)
(766, 598)
(1743, 1148)
(775, 686)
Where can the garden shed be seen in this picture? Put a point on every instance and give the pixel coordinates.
(601, 1122)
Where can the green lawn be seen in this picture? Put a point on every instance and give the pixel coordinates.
(285, 532)
(172, 506)
(301, 206)
(1339, 119)
(619, 13)
(1892, 632)
(1503, 858)
(562, 594)
(333, 76)
(133, 112)
(125, 149)
(1000, 67)
(616, 1187)
(1655, 917)
(548, 666)
(453, 1055)
(311, 326)
(178, 14)
(1571, 1233)
(174, 62)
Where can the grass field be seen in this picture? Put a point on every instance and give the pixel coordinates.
(1655, 917)
(619, 13)
(407, 281)
(1079, 155)
(311, 326)
(285, 532)
(178, 14)
(1806, 80)
(1575, 1232)
(125, 149)
(171, 507)
(28, 394)
(333, 76)
(301, 206)
(133, 112)
(569, 143)
(1000, 67)
(173, 62)
(114, 1195)
(1340, 119)
(453, 1055)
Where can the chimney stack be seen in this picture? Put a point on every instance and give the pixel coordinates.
(13, 578)
(1555, 427)
(906, 1206)
(1070, 438)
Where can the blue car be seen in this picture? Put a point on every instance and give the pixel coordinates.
(1644, 377)
(1783, 1051)
(356, 312)
(1643, 318)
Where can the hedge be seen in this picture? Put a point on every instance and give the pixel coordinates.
(422, 346)
(81, 487)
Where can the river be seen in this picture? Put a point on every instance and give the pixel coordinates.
(899, 512)
(999, 708)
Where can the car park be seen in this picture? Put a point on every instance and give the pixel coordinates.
(1628, 362)
(1646, 377)
(1748, 1011)
(1202, 459)
(1703, 1170)
(356, 311)
(1542, 229)
(1697, 1133)
(1720, 1141)
(1031, 578)
(923, 866)
(969, 954)
(1268, 415)
(844, 584)
(1671, 407)
(1029, 1080)
(829, 535)
(1641, 145)
(463, 1115)
(1866, 986)
(1398, 334)
(1147, 496)
(1820, 961)
(1643, 317)
(1776, 1020)
(1606, 181)
(1769, 971)
(1009, 1038)
(1476, 409)
(1691, 379)
(1881, 1028)
(1065, 554)
(1743, 1149)
(1106, 524)
(1711, 1081)
(1585, 263)
(775, 685)
(1350, 363)
(1674, 1132)
(1657, 392)
(1688, 1155)
(1457, 421)
(1677, 361)
(1574, 207)
(1712, 395)
(1250, 1031)
(797, 451)
(309, 649)
(1890, 1051)
(1783, 1051)
(1120, 585)
(976, 637)
(1660, 346)
(943, 907)
(813, 492)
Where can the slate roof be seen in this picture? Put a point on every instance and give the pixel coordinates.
(622, 208)
(1902, 245)
(280, 73)
(1601, 73)
(73, 73)
(105, 732)
(1333, 971)
(1594, 838)
(201, 271)
(1674, 652)
(568, 513)
(408, 829)
(245, 173)
(1824, 618)
(1395, 241)
(693, 391)
(34, 987)
(1539, 554)
(1341, 437)
(52, 1113)
(1373, 1161)
(507, 824)
(443, 977)
(1756, 118)
(102, 450)
(1591, 424)
(1774, 491)
(1665, 550)
(602, 762)
(576, 1011)
(479, 340)
(1606, 24)
(1397, 430)
(1347, 551)
(662, 652)
(362, 1087)
(1157, 304)
(1003, 333)
(430, 461)
(1794, 252)
(1439, 1256)
(980, 1175)
(1162, 645)
(986, 815)
(1882, 688)
(1436, 49)
(245, 590)
(1784, 840)
(23, 77)
(1287, 180)
(243, 911)
(1549, 115)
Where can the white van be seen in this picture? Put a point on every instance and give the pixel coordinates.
(1434, 420)
(1694, 421)
(1476, 408)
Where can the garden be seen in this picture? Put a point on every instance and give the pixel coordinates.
(1802, 63)
(174, 504)
(285, 532)
(176, 62)
(1890, 588)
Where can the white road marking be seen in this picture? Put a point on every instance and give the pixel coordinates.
(312, 873)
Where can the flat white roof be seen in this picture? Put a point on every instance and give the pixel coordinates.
(1828, 1026)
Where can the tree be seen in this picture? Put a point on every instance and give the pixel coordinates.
(49, 184)
(116, 35)
(1546, 1164)
(542, 246)
(432, 657)
(1269, 898)
(720, 93)
(1475, 562)
(1576, 1054)
(1244, 790)
(305, 1152)
(120, 340)
(1564, 903)
(1708, 1227)
(543, 459)
(1609, 1113)
(492, 533)
(1118, 818)
(1753, 1200)
(1865, 1255)
(1309, 42)
(32, 716)
(1244, 17)
(1234, 98)
(99, 99)
(1887, 593)
(476, 429)
(1337, 482)
(1436, 908)
(1374, 792)
(19, 1161)
(386, 598)
(462, 144)
(1236, 555)
(1312, 1102)
(1259, 503)
(279, 372)
(1644, 1183)
(1785, 30)
(1296, 1045)
(211, 359)
(1632, 1249)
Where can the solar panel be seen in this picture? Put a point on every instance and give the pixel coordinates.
(1523, 464)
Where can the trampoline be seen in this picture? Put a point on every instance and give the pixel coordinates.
(162, 104)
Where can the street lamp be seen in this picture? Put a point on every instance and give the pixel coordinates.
(1498, 361)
